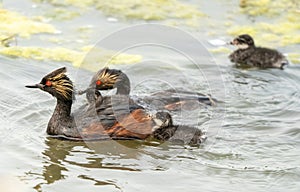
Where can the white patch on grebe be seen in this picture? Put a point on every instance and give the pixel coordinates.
(203, 138)
(242, 46)
(158, 122)
(155, 128)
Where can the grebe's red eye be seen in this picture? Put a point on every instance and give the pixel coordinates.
(48, 83)
(98, 82)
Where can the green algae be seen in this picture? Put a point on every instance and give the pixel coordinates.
(294, 58)
(13, 23)
(65, 3)
(256, 7)
(268, 8)
(274, 31)
(293, 39)
(148, 10)
(220, 50)
(62, 14)
(93, 56)
(283, 30)
(140, 10)
(76, 57)
(242, 29)
(284, 33)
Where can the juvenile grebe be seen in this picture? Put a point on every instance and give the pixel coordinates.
(171, 100)
(250, 55)
(102, 121)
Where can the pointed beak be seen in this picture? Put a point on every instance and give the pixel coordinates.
(35, 86)
(233, 42)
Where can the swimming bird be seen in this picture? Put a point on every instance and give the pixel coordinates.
(104, 117)
(250, 55)
(171, 100)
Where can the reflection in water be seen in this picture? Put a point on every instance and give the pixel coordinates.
(97, 182)
(58, 153)
(63, 158)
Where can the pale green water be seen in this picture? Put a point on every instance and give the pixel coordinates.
(253, 141)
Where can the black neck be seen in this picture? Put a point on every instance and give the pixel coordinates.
(251, 46)
(61, 118)
(123, 85)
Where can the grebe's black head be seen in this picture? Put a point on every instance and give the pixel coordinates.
(107, 79)
(163, 119)
(243, 41)
(57, 83)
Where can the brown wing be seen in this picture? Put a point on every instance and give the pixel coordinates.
(95, 131)
(138, 125)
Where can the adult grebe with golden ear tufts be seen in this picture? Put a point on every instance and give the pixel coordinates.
(250, 55)
(171, 100)
(104, 122)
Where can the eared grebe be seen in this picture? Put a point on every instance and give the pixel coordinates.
(104, 117)
(250, 55)
(171, 100)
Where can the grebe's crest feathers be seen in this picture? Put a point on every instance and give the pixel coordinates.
(58, 84)
(56, 73)
(106, 78)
